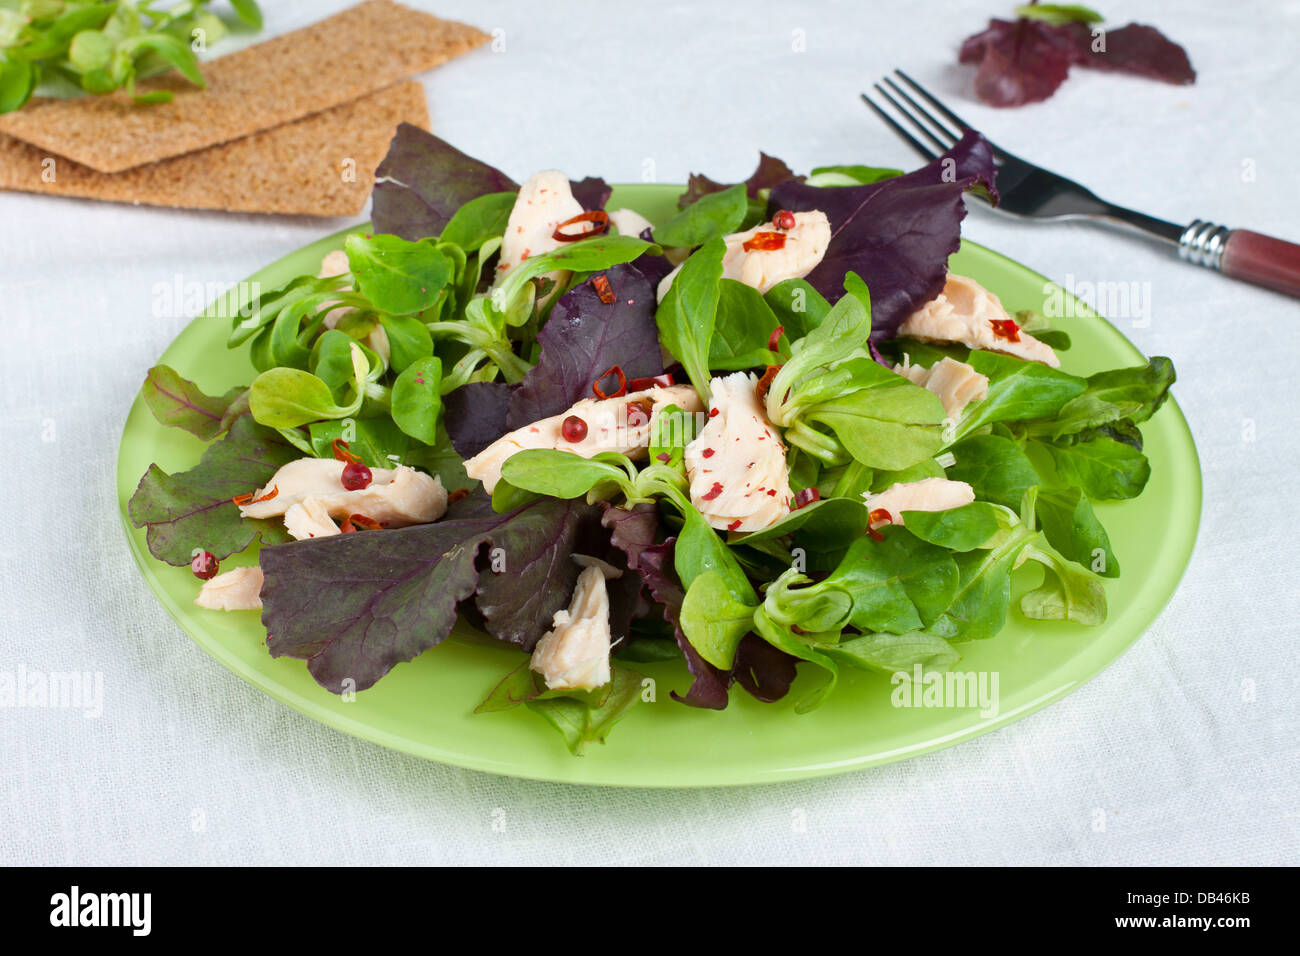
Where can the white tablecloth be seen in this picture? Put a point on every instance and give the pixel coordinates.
(1184, 751)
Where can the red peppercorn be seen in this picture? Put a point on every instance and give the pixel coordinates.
(356, 476)
(205, 565)
(784, 219)
(573, 429)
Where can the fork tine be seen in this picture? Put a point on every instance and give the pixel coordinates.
(943, 130)
(948, 114)
(904, 134)
(920, 127)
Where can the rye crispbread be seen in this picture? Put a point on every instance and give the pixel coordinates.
(335, 61)
(322, 165)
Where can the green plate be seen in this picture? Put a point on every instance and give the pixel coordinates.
(425, 707)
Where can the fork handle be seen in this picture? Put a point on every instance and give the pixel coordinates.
(1242, 254)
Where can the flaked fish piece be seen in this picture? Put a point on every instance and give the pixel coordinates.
(309, 518)
(928, 494)
(956, 383)
(736, 464)
(629, 222)
(237, 590)
(792, 254)
(574, 653)
(621, 424)
(967, 313)
(396, 497)
(544, 202)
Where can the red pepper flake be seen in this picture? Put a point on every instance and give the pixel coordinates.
(765, 383)
(713, 413)
(765, 242)
(653, 381)
(784, 220)
(774, 339)
(601, 284)
(1006, 329)
(708, 453)
(878, 516)
(771, 493)
(459, 494)
(361, 521)
(600, 223)
(573, 429)
(248, 499)
(340, 449)
(664, 456)
(805, 497)
(713, 492)
(734, 525)
(617, 371)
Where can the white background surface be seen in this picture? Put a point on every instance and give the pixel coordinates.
(1186, 747)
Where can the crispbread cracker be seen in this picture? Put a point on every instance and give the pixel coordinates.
(358, 51)
(322, 165)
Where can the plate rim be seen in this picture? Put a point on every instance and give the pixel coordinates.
(357, 729)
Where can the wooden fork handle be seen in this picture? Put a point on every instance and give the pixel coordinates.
(1262, 260)
(1242, 254)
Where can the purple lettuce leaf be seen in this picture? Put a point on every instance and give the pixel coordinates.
(180, 403)
(1025, 61)
(475, 415)
(771, 172)
(423, 181)
(356, 605)
(1140, 50)
(766, 672)
(583, 338)
(630, 530)
(897, 234)
(592, 193)
(192, 509)
(762, 670)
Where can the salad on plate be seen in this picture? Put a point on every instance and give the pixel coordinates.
(774, 430)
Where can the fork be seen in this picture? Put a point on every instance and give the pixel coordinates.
(1031, 192)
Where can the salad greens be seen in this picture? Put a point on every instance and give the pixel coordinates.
(426, 350)
(105, 45)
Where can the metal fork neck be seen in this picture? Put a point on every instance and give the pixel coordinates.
(1203, 243)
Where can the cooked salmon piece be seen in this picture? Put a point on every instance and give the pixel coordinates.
(237, 590)
(956, 383)
(621, 424)
(574, 653)
(967, 313)
(928, 494)
(774, 255)
(736, 464)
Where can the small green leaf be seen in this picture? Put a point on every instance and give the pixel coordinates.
(713, 620)
(397, 276)
(417, 399)
(249, 12)
(714, 215)
(1058, 14)
(17, 78)
(90, 50)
